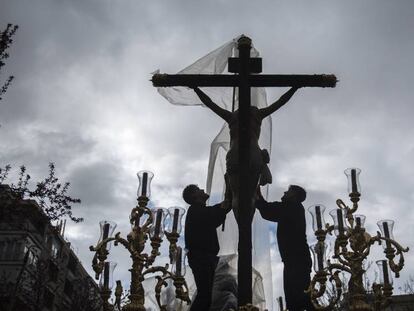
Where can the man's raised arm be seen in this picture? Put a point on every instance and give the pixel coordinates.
(277, 104)
(223, 113)
(268, 211)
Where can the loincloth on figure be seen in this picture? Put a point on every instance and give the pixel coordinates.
(259, 159)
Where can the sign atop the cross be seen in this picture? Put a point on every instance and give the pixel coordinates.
(246, 75)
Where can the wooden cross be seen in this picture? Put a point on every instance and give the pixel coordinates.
(246, 69)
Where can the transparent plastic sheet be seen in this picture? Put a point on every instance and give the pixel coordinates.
(167, 294)
(216, 63)
(224, 289)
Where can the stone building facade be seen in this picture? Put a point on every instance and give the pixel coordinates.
(39, 271)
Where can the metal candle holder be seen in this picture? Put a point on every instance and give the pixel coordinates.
(352, 246)
(145, 224)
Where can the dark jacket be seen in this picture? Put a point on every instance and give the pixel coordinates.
(200, 229)
(291, 229)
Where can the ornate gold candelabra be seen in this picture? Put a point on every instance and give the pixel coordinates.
(145, 224)
(352, 247)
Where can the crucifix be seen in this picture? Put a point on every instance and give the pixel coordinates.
(244, 179)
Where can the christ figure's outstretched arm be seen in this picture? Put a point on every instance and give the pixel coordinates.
(264, 112)
(223, 113)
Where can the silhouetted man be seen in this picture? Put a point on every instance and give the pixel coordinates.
(293, 247)
(201, 242)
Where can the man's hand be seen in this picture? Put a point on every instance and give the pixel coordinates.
(226, 205)
(259, 195)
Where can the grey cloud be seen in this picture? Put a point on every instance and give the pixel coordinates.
(96, 183)
(34, 146)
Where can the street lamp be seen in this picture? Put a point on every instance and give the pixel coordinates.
(352, 247)
(145, 224)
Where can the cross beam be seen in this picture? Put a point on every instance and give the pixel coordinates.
(165, 80)
(244, 66)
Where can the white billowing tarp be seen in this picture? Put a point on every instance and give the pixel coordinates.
(226, 97)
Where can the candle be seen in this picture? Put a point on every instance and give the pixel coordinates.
(158, 223)
(319, 254)
(385, 272)
(144, 184)
(105, 231)
(358, 222)
(175, 220)
(353, 181)
(340, 221)
(386, 233)
(318, 217)
(178, 261)
(106, 275)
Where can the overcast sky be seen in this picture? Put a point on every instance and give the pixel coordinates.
(82, 99)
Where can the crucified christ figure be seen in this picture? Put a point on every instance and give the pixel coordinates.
(259, 171)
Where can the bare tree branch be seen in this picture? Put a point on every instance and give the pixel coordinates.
(5, 42)
(51, 195)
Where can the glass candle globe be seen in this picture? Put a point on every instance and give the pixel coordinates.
(359, 221)
(158, 216)
(385, 276)
(107, 230)
(386, 226)
(319, 254)
(106, 280)
(175, 215)
(318, 221)
(353, 180)
(144, 188)
(338, 216)
(178, 265)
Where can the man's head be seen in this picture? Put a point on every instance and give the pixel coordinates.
(294, 193)
(192, 194)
